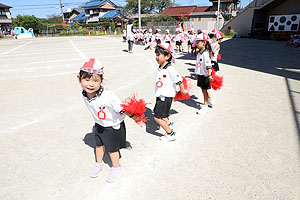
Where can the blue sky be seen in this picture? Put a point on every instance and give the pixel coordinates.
(43, 8)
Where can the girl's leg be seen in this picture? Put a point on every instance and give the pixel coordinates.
(205, 95)
(129, 44)
(209, 94)
(114, 156)
(166, 120)
(164, 124)
(99, 153)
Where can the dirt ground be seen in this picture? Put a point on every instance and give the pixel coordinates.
(246, 147)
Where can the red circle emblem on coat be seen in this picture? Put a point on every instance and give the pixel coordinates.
(198, 65)
(101, 115)
(159, 84)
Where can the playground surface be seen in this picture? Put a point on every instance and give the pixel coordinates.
(246, 147)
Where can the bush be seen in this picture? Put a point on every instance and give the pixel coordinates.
(113, 27)
(231, 35)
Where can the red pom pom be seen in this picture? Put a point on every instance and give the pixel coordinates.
(135, 106)
(187, 85)
(219, 57)
(217, 82)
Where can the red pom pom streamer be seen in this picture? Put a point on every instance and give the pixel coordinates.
(137, 107)
(187, 85)
(217, 82)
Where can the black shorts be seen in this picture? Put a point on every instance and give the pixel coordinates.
(215, 65)
(203, 82)
(178, 43)
(189, 43)
(158, 41)
(168, 42)
(112, 139)
(162, 108)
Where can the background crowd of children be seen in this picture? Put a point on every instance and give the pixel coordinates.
(294, 41)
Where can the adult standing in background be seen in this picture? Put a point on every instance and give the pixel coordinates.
(129, 35)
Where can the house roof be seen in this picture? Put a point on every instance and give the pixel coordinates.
(80, 17)
(111, 14)
(177, 11)
(202, 9)
(97, 3)
(4, 6)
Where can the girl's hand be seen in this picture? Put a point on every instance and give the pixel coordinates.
(184, 91)
(135, 118)
(210, 79)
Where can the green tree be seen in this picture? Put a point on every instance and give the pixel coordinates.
(148, 6)
(26, 21)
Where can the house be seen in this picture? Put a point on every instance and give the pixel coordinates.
(96, 11)
(267, 19)
(226, 6)
(197, 17)
(5, 19)
(71, 13)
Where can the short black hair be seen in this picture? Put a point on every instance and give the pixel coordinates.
(160, 50)
(211, 35)
(83, 74)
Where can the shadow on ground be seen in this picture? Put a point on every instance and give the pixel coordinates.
(266, 56)
(89, 140)
(151, 126)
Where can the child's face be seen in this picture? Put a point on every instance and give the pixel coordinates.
(200, 44)
(161, 58)
(91, 85)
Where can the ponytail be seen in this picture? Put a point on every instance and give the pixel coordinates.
(209, 49)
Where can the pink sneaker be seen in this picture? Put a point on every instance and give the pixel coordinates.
(114, 174)
(96, 170)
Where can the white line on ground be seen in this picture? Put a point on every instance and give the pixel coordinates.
(15, 48)
(76, 49)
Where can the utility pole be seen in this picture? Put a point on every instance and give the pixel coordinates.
(62, 12)
(140, 25)
(218, 15)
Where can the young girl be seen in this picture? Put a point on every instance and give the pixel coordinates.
(148, 39)
(178, 41)
(108, 115)
(130, 35)
(165, 89)
(216, 49)
(203, 69)
(192, 37)
(168, 37)
(158, 36)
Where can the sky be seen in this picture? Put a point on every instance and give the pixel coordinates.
(44, 8)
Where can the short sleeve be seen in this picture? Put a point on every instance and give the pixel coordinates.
(207, 60)
(175, 76)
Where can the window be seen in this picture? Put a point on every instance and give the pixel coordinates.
(2, 12)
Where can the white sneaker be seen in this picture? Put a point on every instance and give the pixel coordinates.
(96, 170)
(211, 102)
(203, 110)
(114, 174)
(168, 137)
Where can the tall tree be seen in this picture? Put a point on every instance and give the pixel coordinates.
(26, 21)
(148, 6)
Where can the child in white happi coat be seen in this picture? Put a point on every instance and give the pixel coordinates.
(158, 36)
(108, 114)
(203, 70)
(168, 37)
(167, 78)
(216, 50)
